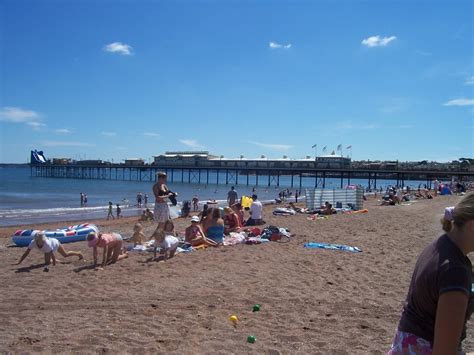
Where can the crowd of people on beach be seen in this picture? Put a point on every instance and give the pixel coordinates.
(440, 297)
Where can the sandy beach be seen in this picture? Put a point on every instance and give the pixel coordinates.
(312, 300)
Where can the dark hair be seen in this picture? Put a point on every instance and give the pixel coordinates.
(254, 197)
(232, 188)
(216, 213)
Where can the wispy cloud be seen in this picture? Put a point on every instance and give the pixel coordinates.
(277, 147)
(118, 48)
(460, 102)
(469, 80)
(66, 144)
(36, 125)
(377, 41)
(63, 131)
(192, 143)
(19, 115)
(151, 134)
(108, 134)
(275, 45)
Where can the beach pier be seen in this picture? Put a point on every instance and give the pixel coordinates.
(250, 176)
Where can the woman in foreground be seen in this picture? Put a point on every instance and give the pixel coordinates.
(439, 300)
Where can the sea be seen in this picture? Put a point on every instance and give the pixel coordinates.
(27, 200)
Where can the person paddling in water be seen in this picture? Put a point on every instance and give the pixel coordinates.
(162, 193)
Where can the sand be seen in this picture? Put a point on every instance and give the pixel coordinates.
(312, 301)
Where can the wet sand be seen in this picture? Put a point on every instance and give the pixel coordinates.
(312, 301)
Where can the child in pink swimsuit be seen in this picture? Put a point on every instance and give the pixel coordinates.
(112, 245)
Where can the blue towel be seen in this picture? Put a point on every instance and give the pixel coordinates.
(333, 247)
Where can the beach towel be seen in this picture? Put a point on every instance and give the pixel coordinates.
(332, 247)
(357, 212)
(145, 247)
(234, 239)
(284, 212)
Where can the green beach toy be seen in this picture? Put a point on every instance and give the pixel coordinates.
(256, 308)
(251, 339)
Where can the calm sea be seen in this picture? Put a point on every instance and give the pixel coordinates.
(29, 200)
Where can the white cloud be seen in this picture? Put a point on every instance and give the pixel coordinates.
(108, 134)
(63, 131)
(192, 143)
(460, 102)
(119, 48)
(377, 41)
(278, 147)
(66, 144)
(19, 115)
(35, 125)
(469, 81)
(151, 134)
(275, 45)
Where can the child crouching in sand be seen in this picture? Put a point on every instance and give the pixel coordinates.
(48, 246)
(166, 240)
(138, 237)
(112, 245)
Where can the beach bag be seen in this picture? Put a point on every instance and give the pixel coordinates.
(271, 233)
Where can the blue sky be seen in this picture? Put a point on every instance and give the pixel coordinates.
(121, 79)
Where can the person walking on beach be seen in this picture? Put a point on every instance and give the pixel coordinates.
(195, 203)
(85, 200)
(82, 199)
(119, 211)
(440, 298)
(48, 246)
(139, 200)
(110, 211)
(145, 199)
(232, 196)
(436, 187)
(161, 192)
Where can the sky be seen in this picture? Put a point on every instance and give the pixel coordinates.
(393, 80)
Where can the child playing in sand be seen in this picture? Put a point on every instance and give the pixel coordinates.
(166, 240)
(112, 245)
(138, 237)
(48, 246)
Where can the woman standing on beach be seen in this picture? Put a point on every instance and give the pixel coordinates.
(161, 192)
(439, 300)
